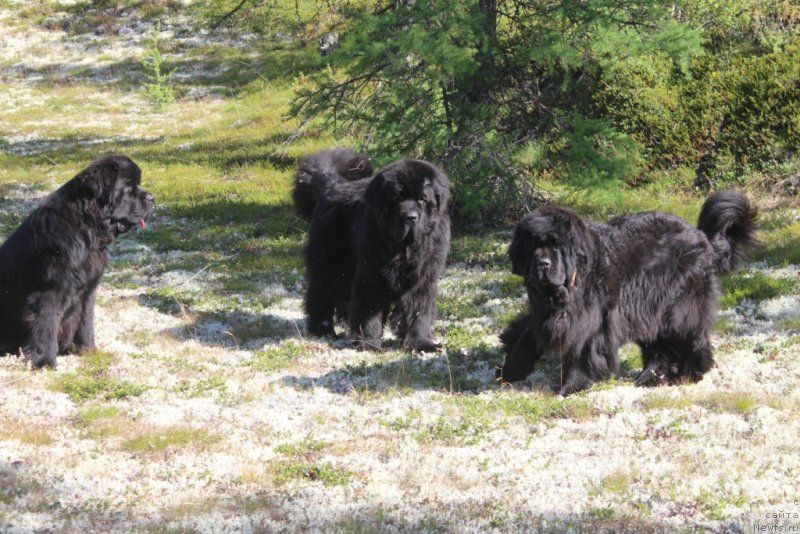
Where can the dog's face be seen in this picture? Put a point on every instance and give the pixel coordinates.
(113, 183)
(551, 248)
(407, 198)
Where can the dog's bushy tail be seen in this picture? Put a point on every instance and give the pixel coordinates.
(316, 172)
(729, 221)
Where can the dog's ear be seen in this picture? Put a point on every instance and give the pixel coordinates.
(97, 180)
(375, 192)
(520, 250)
(442, 193)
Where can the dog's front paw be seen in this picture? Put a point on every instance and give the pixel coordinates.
(422, 345)
(651, 376)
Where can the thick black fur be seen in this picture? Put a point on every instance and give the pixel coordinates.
(376, 245)
(648, 278)
(51, 264)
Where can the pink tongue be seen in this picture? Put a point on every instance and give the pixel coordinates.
(142, 224)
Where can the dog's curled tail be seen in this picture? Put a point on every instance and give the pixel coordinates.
(317, 171)
(729, 221)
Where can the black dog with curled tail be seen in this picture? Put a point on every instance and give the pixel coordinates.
(51, 265)
(377, 245)
(647, 278)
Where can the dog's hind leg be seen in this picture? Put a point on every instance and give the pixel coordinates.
(84, 335)
(696, 361)
(320, 304)
(42, 316)
(368, 305)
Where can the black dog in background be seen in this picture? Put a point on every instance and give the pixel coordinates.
(376, 245)
(51, 265)
(648, 278)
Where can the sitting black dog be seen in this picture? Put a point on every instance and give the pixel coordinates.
(376, 246)
(51, 265)
(648, 278)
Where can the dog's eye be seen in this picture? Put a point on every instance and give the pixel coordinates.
(582, 260)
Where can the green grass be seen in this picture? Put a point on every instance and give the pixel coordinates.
(287, 471)
(98, 421)
(301, 463)
(754, 286)
(277, 357)
(741, 403)
(617, 483)
(159, 440)
(94, 380)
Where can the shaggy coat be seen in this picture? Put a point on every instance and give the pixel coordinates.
(376, 245)
(51, 264)
(648, 278)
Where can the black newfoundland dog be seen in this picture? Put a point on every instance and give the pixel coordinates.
(648, 278)
(377, 245)
(51, 265)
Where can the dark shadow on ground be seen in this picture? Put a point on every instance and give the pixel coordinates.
(450, 370)
(234, 330)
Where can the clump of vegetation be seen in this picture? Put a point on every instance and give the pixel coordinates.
(159, 89)
(158, 440)
(93, 380)
(302, 463)
(755, 286)
(620, 97)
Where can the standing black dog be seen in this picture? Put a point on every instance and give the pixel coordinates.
(649, 278)
(376, 246)
(51, 265)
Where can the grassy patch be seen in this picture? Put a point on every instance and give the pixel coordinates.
(463, 429)
(741, 403)
(478, 414)
(616, 483)
(754, 286)
(158, 440)
(287, 471)
(93, 380)
(29, 434)
(716, 506)
(788, 324)
(302, 463)
(97, 421)
(724, 326)
(200, 388)
(275, 357)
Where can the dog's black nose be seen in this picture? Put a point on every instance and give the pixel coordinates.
(544, 263)
(412, 216)
(149, 198)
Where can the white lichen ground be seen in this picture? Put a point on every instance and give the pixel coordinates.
(324, 438)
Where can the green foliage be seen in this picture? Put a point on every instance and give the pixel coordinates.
(468, 86)
(301, 464)
(159, 89)
(92, 380)
(755, 286)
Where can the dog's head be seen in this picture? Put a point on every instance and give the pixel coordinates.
(112, 186)
(552, 249)
(407, 198)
